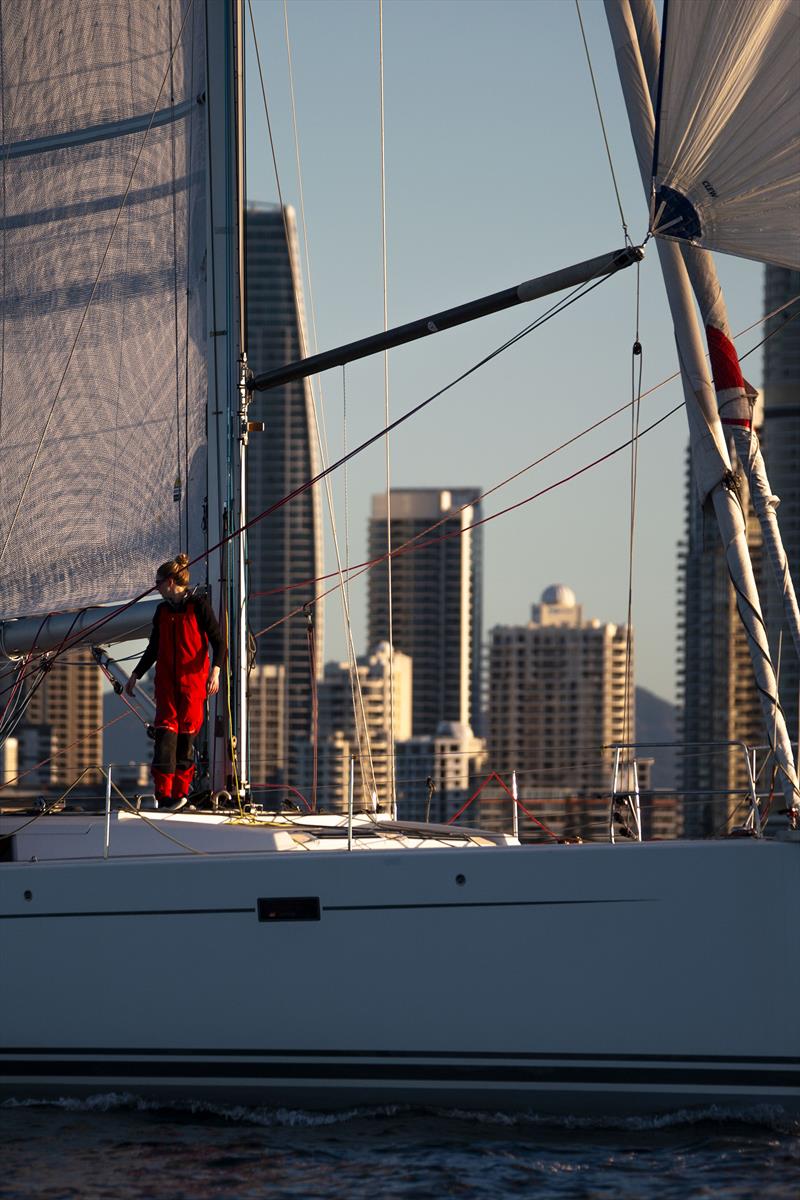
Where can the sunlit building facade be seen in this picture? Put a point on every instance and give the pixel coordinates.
(285, 549)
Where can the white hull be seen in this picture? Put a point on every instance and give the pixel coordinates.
(589, 979)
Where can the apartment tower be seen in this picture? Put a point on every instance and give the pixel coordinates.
(64, 716)
(561, 692)
(358, 722)
(437, 585)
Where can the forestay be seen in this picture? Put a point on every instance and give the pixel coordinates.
(727, 167)
(102, 346)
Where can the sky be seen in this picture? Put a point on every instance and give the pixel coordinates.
(495, 173)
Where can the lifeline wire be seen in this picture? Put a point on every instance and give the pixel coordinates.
(636, 406)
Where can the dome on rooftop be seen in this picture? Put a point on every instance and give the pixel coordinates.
(559, 593)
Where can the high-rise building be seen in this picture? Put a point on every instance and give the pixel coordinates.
(285, 549)
(782, 456)
(9, 760)
(561, 692)
(719, 704)
(69, 703)
(436, 598)
(267, 711)
(436, 773)
(719, 700)
(357, 722)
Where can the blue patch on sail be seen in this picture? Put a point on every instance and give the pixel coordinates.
(676, 216)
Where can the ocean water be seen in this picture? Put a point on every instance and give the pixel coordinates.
(116, 1147)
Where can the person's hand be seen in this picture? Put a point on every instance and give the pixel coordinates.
(130, 686)
(212, 687)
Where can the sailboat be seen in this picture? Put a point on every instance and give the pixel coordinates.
(317, 961)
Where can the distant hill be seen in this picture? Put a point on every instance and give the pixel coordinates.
(656, 721)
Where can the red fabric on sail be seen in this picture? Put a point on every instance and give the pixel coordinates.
(724, 360)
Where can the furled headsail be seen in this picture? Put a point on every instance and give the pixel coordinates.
(103, 325)
(727, 155)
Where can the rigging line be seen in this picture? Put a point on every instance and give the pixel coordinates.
(312, 665)
(266, 106)
(357, 569)
(387, 452)
(602, 125)
(188, 295)
(156, 825)
(217, 411)
(18, 675)
(318, 405)
(321, 438)
(636, 406)
(744, 605)
(364, 566)
(85, 312)
(577, 293)
(59, 753)
(779, 329)
(229, 739)
(175, 291)
(408, 547)
(356, 691)
(351, 454)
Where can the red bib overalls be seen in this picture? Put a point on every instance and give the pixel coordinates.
(180, 686)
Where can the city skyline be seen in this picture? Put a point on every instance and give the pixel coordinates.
(480, 195)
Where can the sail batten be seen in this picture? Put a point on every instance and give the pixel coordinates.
(103, 241)
(99, 133)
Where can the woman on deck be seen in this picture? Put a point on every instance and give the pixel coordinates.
(183, 627)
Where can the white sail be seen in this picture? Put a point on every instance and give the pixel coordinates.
(102, 346)
(727, 161)
(704, 420)
(735, 397)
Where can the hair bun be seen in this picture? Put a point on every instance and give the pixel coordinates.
(181, 561)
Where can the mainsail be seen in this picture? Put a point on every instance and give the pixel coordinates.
(102, 344)
(727, 156)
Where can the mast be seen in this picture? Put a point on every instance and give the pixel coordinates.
(710, 458)
(227, 438)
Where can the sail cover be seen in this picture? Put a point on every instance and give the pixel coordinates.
(727, 162)
(102, 330)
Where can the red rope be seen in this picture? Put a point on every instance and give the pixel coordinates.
(280, 787)
(494, 776)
